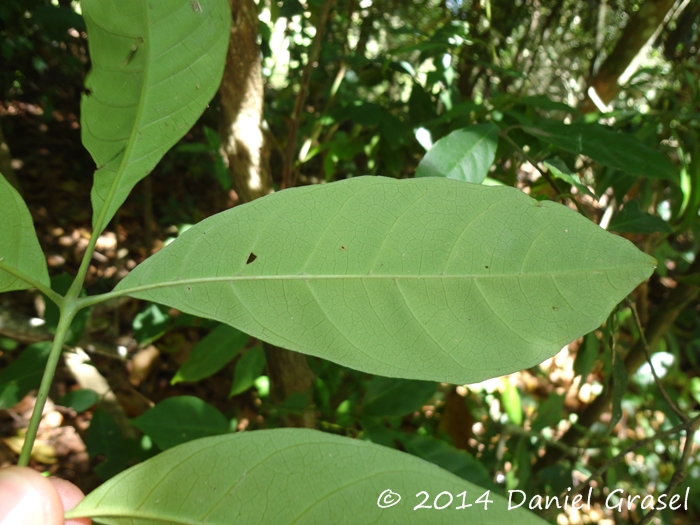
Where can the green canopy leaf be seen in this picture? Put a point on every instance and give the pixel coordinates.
(561, 171)
(465, 154)
(79, 400)
(617, 150)
(20, 254)
(391, 396)
(448, 457)
(23, 375)
(211, 354)
(429, 279)
(631, 219)
(179, 419)
(292, 476)
(155, 67)
(249, 368)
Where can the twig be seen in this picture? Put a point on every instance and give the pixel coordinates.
(541, 169)
(21, 328)
(314, 51)
(573, 452)
(686, 425)
(678, 475)
(676, 409)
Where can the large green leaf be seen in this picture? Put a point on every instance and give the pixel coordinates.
(20, 253)
(423, 279)
(465, 154)
(618, 150)
(291, 476)
(155, 67)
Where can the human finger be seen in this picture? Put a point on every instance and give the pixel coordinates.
(28, 498)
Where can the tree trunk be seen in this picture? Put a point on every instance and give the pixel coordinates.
(241, 95)
(637, 32)
(243, 141)
(290, 374)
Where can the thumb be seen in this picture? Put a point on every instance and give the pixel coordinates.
(26, 498)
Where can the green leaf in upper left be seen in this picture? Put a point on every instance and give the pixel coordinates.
(20, 253)
(155, 67)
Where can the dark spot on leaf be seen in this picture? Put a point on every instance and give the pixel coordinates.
(486, 267)
(188, 288)
(342, 247)
(251, 258)
(555, 308)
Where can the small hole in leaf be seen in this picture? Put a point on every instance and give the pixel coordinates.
(251, 258)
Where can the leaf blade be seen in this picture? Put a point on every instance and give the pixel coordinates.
(309, 477)
(346, 272)
(465, 154)
(249, 367)
(155, 68)
(387, 396)
(618, 150)
(211, 354)
(179, 419)
(631, 219)
(20, 252)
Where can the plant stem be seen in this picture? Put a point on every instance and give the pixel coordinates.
(678, 475)
(77, 285)
(67, 315)
(69, 306)
(688, 426)
(46, 290)
(683, 417)
(541, 169)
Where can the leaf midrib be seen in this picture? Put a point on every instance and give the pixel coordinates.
(364, 276)
(469, 152)
(121, 513)
(100, 225)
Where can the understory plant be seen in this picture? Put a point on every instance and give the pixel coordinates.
(435, 278)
